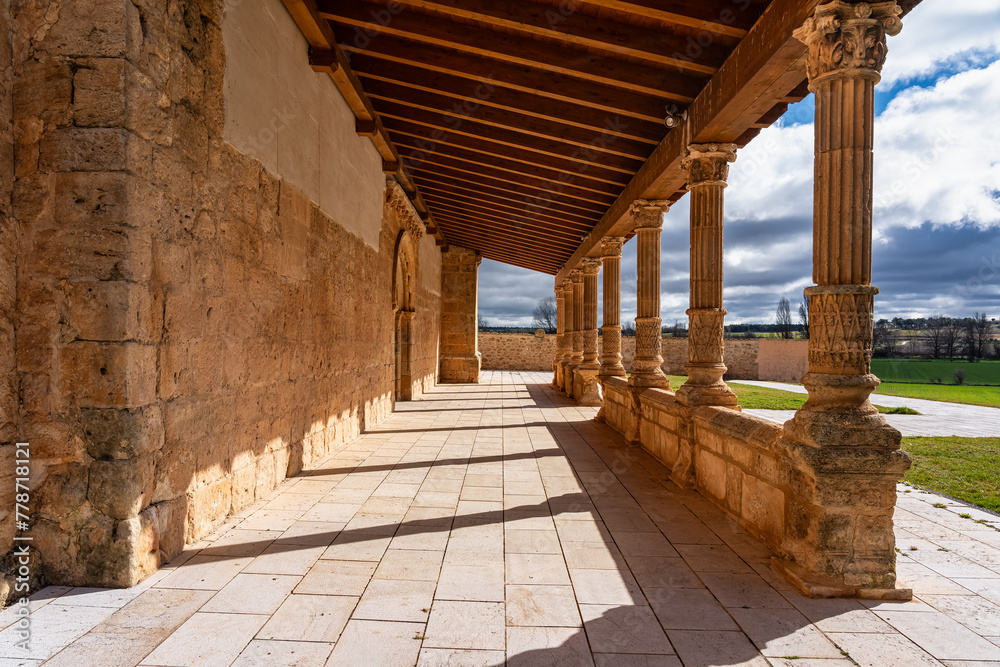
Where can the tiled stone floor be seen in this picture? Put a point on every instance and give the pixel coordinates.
(499, 524)
(936, 418)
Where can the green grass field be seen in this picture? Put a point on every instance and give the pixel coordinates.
(926, 371)
(752, 397)
(988, 396)
(963, 468)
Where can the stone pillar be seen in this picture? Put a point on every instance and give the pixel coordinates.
(707, 166)
(569, 323)
(646, 371)
(611, 330)
(586, 388)
(845, 458)
(460, 358)
(560, 336)
(576, 357)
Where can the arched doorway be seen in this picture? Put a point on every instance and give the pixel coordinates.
(403, 276)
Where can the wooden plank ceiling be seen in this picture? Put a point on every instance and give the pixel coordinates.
(515, 126)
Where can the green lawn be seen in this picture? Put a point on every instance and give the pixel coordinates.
(764, 398)
(963, 468)
(926, 371)
(988, 396)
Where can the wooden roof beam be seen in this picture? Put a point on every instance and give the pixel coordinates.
(763, 69)
(663, 84)
(721, 17)
(491, 72)
(584, 31)
(393, 80)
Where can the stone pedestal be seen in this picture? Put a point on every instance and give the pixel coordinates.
(586, 388)
(707, 166)
(844, 457)
(460, 358)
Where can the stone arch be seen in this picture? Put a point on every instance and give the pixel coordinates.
(404, 272)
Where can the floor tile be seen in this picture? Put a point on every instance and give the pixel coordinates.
(545, 606)
(309, 618)
(624, 629)
(252, 594)
(207, 639)
(337, 577)
(471, 583)
(381, 643)
(266, 653)
(468, 625)
(543, 647)
(392, 600)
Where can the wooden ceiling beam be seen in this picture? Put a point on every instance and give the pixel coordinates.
(763, 69)
(561, 164)
(556, 207)
(474, 210)
(510, 254)
(395, 78)
(579, 198)
(720, 17)
(666, 84)
(460, 158)
(491, 73)
(445, 107)
(613, 155)
(509, 234)
(555, 217)
(584, 31)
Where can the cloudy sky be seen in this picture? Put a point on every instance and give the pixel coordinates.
(937, 192)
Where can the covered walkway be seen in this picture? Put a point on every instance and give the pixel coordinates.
(498, 523)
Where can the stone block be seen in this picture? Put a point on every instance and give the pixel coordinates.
(92, 251)
(208, 505)
(43, 89)
(96, 198)
(122, 434)
(84, 149)
(99, 92)
(711, 474)
(171, 517)
(94, 28)
(763, 507)
(120, 488)
(109, 375)
(114, 311)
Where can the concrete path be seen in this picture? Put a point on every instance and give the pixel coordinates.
(498, 524)
(936, 418)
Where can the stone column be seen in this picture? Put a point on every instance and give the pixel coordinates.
(560, 336)
(707, 166)
(646, 371)
(460, 358)
(845, 458)
(576, 358)
(611, 331)
(569, 324)
(586, 388)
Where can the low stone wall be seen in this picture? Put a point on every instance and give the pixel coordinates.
(747, 359)
(516, 351)
(728, 456)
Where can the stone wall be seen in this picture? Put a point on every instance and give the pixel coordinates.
(192, 327)
(516, 351)
(8, 278)
(732, 458)
(747, 359)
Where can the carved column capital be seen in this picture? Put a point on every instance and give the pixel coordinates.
(590, 266)
(575, 277)
(648, 213)
(611, 246)
(565, 286)
(708, 164)
(397, 200)
(846, 38)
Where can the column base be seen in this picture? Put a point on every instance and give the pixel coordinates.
(460, 369)
(839, 530)
(814, 586)
(705, 386)
(586, 388)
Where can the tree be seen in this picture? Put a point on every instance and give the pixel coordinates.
(936, 327)
(628, 328)
(482, 322)
(544, 313)
(804, 314)
(784, 318)
(950, 338)
(981, 334)
(885, 339)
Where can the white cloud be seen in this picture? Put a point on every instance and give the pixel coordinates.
(940, 34)
(937, 153)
